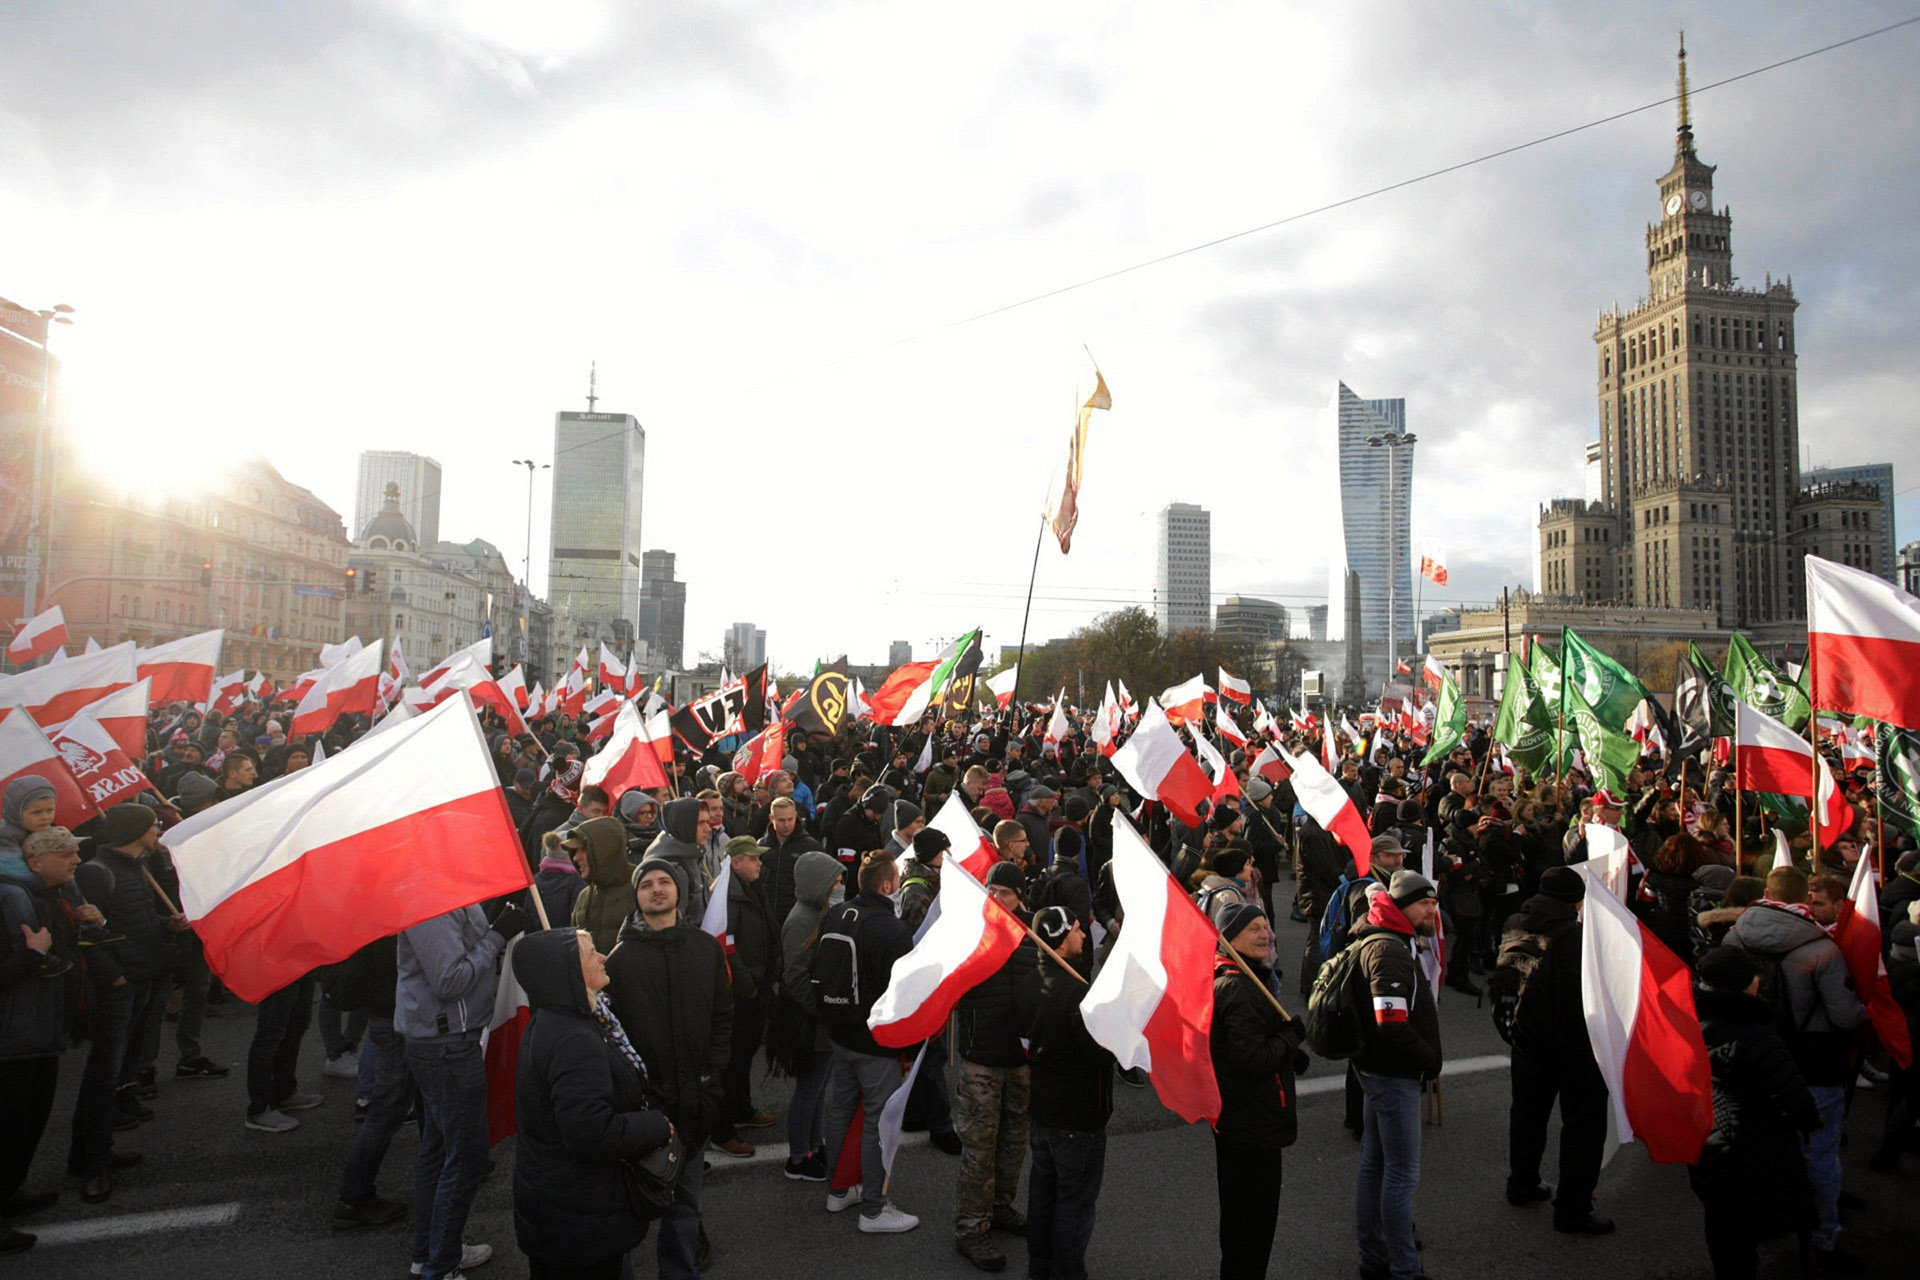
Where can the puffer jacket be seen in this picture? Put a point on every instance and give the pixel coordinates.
(581, 1107)
(679, 825)
(114, 882)
(35, 1008)
(1403, 1039)
(1256, 1054)
(1822, 1006)
(814, 875)
(606, 899)
(669, 990)
(992, 1018)
(1760, 1108)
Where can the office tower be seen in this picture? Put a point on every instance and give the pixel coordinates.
(1376, 482)
(746, 647)
(663, 609)
(1251, 621)
(419, 479)
(1183, 585)
(593, 569)
(899, 653)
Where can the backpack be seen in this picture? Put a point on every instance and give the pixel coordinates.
(835, 966)
(1050, 891)
(1337, 918)
(1521, 952)
(1773, 990)
(1334, 1009)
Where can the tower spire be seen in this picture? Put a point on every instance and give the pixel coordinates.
(593, 378)
(1685, 137)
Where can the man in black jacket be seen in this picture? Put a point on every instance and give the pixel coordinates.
(1070, 1102)
(1552, 1056)
(669, 990)
(755, 951)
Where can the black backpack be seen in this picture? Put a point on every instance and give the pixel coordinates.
(835, 966)
(1338, 1008)
(1521, 952)
(1773, 990)
(365, 979)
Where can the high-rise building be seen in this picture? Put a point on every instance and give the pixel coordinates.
(745, 648)
(663, 610)
(1250, 621)
(1376, 482)
(1183, 586)
(1699, 428)
(593, 573)
(1879, 475)
(1596, 484)
(419, 479)
(899, 653)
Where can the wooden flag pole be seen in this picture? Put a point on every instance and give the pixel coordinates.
(172, 910)
(1227, 950)
(539, 907)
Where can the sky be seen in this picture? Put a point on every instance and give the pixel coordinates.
(308, 230)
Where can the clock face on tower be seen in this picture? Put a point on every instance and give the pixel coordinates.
(1698, 199)
(1673, 204)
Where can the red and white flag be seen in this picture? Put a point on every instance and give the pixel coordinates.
(228, 692)
(1638, 999)
(1151, 1005)
(969, 846)
(1264, 724)
(1768, 756)
(332, 655)
(394, 679)
(714, 922)
(1857, 932)
(573, 694)
(761, 754)
(481, 651)
(41, 634)
(1106, 725)
(964, 946)
(1223, 725)
(1000, 684)
(1328, 804)
(181, 670)
(613, 672)
(51, 694)
(514, 685)
(1155, 762)
(123, 714)
(1433, 569)
(1863, 644)
(1270, 764)
(103, 771)
(297, 692)
(1234, 689)
(511, 1014)
(1433, 672)
(1215, 765)
(1057, 726)
(352, 687)
(25, 749)
(484, 691)
(300, 872)
(627, 761)
(1127, 706)
(1186, 703)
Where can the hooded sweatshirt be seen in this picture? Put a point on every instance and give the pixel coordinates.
(19, 793)
(679, 821)
(814, 875)
(607, 897)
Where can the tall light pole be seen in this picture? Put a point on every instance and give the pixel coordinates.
(526, 582)
(1392, 443)
(61, 314)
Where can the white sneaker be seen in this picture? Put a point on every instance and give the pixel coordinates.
(271, 1121)
(889, 1221)
(344, 1067)
(840, 1201)
(471, 1255)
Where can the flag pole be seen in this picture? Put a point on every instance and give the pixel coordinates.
(1739, 793)
(1020, 668)
(1227, 950)
(148, 873)
(539, 907)
(1042, 944)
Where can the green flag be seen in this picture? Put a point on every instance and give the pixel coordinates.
(1449, 720)
(1610, 754)
(1523, 725)
(1896, 776)
(1608, 689)
(1763, 686)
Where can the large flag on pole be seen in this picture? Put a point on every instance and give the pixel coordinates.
(1449, 721)
(52, 693)
(1610, 753)
(906, 694)
(1769, 757)
(1234, 689)
(1523, 725)
(627, 761)
(41, 634)
(123, 714)
(1603, 684)
(511, 1014)
(102, 770)
(1155, 762)
(1151, 1005)
(964, 946)
(1863, 644)
(1001, 684)
(1328, 804)
(1763, 686)
(1186, 703)
(1068, 513)
(303, 872)
(181, 670)
(969, 846)
(352, 687)
(25, 749)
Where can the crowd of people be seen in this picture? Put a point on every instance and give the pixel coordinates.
(648, 1033)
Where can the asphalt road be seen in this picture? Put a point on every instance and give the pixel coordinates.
(214, 1200)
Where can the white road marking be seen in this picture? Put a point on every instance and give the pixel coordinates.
(90, 1230)
(1461, 1067)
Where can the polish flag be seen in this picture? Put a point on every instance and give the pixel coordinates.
(1857, 751)
(260, 689)
(1001, 685)
(471, 675)
(971, 849)
(613, 672)
(351, 687)
(627, 761)
(635, 681)
(514, 685)
(1215, 765)
(332, 655)
(1265, 725)
(25, 749)
(1157, 765)
(1638, 999)
(181, 670)
(302, 686)
(501, 1045)
(968, 942)
(394, 679)
(103, 771)
(1768, 756)
(1434, 672)
(301, 872)
(1863, 643)
(41, 634)
(1433, 569)
(536, 700)
(762, 753)
(1186, 703)
(1857, 931)
(1152, 1003)
(1235, 690)
(1106, 725)
(1057, 726)
(1270, 764)
(481, 651)
(51, 694)
(573, 694)
(1328, 804)
(123, 714)
(714, 922)
(227, 693)
(1223, 725)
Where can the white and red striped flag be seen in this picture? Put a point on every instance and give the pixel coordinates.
(41, 634)
(297, 692)
(627, 761)
(332, 655)
(1223, 725)
(1215, 766)
(1863, 644)
(613, 672)
(26, 749)
(300, 872)
(762, 753)
(1151, 1005)
(1857, 932)
(965, 945)
(52, 693)
(714, 923)
(123, 714)
(1433, 568)
(514, 685)
(227, 693)
(1186, 703)
(349, 688)
(1768, 756)
(1433, 672)
(501, 1046)
(1057, 726)
(181, 670)
(1000, 685)
(481, 688)
(1106, 725)
(970, 847)
(481, 651)
(101, 768)
(1328, 804)
(1638, 999)
(1234, 689)
(1128, 708)
(1155, 762)
(1270, 764)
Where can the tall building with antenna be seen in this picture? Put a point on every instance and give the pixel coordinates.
(593, 569)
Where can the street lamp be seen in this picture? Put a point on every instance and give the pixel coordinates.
(526, 582)
(61, 314)
(1392, 443)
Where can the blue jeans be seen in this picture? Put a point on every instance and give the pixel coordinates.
(1389, 1171)
(679, 1236)
(861, 1079)
(107, 1024)
(391, 1091)
(1068, 1165)
(279, 1024)
(807, 1111)
(452, 1075)
(1822, 1148)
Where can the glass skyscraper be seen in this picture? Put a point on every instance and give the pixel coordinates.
(599, 465)
(1375, 484)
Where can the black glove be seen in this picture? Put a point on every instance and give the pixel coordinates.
(510, 923)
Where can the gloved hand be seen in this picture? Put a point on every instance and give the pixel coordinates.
(510, 923)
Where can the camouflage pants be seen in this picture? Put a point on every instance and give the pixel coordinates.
(990, 1115)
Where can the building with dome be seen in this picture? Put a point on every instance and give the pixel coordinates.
(402, 591)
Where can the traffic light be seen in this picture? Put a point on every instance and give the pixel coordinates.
(206, 573)
(366, 582)
(352, 574)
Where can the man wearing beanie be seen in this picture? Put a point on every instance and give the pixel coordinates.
(1399, 1048)
(1537, 984)
(1751, 1178)
(1072, 1082)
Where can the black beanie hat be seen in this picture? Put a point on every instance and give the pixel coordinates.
(1237, 917)
(126, 823)
(929, 843)
(1725, 968)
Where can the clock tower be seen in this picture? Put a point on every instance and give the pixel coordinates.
(1691, 244)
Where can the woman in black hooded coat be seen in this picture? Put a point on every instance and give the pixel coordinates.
(580, 1101)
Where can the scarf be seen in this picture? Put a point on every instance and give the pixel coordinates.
(616, 1035)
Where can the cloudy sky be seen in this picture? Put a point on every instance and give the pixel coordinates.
(311, 229)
